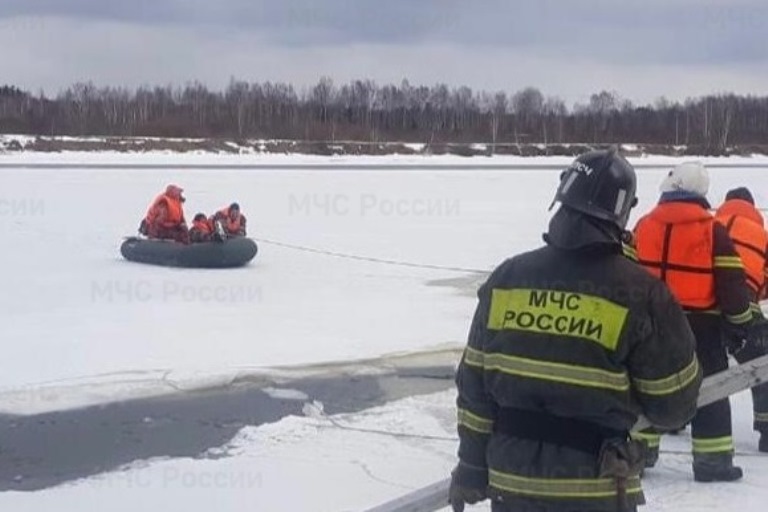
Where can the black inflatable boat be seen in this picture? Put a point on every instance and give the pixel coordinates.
(232, 252)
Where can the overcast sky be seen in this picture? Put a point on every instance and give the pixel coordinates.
(570, 48)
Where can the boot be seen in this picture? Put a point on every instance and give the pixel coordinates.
(651, 456)
(763, 444)
(715, 467)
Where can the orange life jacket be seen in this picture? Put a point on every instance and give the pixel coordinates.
(675, 243)
(204, 226)
(230, 226)
(745, 227)
(174, 212)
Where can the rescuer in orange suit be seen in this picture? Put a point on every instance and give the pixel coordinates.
(745, 225)
(231, 220)
(201, 230)
(165, 217)
(680, 242)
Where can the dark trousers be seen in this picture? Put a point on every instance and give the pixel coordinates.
(177, 233)
(759, 393)
(714, 420)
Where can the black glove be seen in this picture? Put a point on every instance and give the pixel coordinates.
(757, 335)
(734, 337)
(468, 486)
(735, 344)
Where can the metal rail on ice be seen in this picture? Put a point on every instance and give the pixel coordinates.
(738, 378)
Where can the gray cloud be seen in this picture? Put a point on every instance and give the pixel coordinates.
(647, 31)
(688, 45)
(342, 20)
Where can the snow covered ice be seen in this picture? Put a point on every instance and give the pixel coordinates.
(82, 326)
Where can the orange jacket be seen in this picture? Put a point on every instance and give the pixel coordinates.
(674, 242)
(232, 227)
(166, 212)
(744, 224)
(204, 226)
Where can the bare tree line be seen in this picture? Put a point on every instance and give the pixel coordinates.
(364, 111)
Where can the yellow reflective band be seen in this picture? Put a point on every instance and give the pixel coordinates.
(728, 262)
(473, 357)
(741, 318)
(652, 440)
(559, 313)
(713, 445)
(755, 308)
(671, 384)
(761, 417)
(475, 422)
(560, 487)
(557, 372)
(629, 251)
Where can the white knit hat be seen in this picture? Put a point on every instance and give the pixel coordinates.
(688, 176)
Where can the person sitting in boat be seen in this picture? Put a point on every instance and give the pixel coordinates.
(202, 230)
(231, 221)
(165, 217)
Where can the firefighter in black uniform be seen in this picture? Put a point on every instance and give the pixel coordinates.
(570, 343)
(680, 242)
